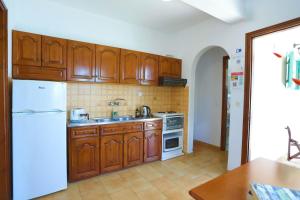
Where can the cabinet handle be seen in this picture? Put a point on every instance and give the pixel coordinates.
(151, 125)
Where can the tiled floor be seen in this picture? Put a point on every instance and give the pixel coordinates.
(171, 179)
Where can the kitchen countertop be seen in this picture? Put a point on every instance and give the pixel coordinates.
(92, 122)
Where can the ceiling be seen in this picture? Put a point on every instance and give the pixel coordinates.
(155, 14)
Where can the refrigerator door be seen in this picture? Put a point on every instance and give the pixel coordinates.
(39, 154)
(38, 96)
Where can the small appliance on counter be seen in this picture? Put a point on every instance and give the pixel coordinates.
(78, 114)
(172, 134)
(145, 112)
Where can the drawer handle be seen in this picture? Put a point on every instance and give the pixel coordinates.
(150, 125)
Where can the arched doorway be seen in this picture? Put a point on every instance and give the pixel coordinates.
(210, 106)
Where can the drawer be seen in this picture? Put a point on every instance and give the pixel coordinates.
(153, 125)
(121, 128)
(90, 131)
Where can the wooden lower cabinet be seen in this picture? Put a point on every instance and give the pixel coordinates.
(100, 149)
(152, 145)
(133, 149)
(84, 158)
(111, 153)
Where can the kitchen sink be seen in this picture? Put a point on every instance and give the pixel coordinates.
(115, 119)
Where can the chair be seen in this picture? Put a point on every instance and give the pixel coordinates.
(292, 143)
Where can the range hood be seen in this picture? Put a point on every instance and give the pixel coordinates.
(174, 82)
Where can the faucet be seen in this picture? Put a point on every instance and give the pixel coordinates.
(115, 102)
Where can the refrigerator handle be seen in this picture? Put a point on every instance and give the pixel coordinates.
(57, 110)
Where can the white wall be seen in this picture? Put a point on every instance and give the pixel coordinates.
(208, 96)
(192, 42)
(50, 18)
(273, 106)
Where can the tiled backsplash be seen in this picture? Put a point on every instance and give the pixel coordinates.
(95, 99)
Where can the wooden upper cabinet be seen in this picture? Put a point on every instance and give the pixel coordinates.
(111, 153)
(176, 67)
(107, 64)
(130, 67)
(169, 67)
(165, 68)
(133, 149)
(54, 52)
(81, 61)
(152, 145)
(27, 49)
(149, 69)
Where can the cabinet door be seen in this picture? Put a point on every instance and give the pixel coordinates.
(27, 49)
(165, 66)
(176, 67)
(84, 161)
(133, 149)
(149, 69)
(111, 153)
(152, 145)
(54, 52)
(81, 61)
(130, 67)
(107, 64)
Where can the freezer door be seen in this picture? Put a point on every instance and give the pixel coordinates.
(38, 96)
(39, 154)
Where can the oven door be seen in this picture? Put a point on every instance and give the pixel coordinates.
(174, 122)
(172, 141)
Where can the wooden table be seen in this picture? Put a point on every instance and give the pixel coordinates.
(234, 185)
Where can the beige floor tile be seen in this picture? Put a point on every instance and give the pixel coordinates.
(161, 180)
(95, 196)
(151, 194)
(126, 194)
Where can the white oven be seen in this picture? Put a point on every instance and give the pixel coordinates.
(172, 141)
(172, 134)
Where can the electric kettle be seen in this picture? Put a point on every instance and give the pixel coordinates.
(145, 111)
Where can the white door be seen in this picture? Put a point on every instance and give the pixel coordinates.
(39, 154)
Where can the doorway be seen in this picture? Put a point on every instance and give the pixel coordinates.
(5, 140)
(270, 98)
(211, 99)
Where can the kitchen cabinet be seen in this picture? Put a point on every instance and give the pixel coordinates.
(130, 67)
(105, 148)
(54, 52)
(176, 67)
(107, 64)
(149, 69)
(133, 149)
(169, 67)
(81, 61)
(152, 145)
(27, 48)
(84, 156)
(40, 57)
(37, 57)
(165, 66)
(111, 153)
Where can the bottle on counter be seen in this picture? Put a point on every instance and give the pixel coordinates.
(137, 113)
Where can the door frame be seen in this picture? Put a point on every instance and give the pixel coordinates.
(248, 78)
(5, 162)
(224, 105)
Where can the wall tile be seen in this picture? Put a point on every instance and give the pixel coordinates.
(95, 98)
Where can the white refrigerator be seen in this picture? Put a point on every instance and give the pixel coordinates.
(39, 145)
